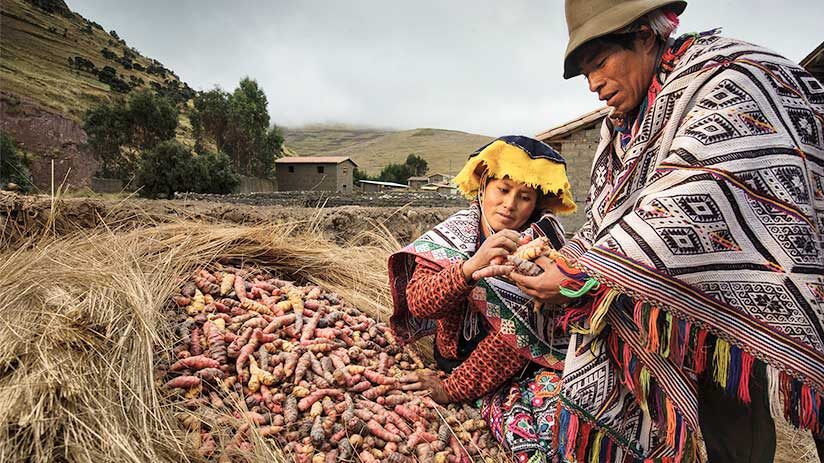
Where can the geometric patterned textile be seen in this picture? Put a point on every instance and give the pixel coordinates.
(503, 305)
(713, 215)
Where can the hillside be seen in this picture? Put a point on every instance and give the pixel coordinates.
(66, 63)
(444, 150)
(54, 65)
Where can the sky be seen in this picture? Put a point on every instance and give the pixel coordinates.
(480, 66)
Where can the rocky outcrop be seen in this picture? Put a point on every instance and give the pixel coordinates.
(47, 136)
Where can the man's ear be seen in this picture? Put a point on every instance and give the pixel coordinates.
(646, 38)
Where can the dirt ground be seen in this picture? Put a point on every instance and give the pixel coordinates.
(26, 216)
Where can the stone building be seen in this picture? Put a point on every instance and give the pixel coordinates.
(439, 178)
(814, 63)
(315, 173)
(417, 182)
(577, 140)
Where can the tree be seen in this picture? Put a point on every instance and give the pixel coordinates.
(417, 164)
(118, 131)
(106, 129)
(397, 173)
(165, 169)
(238, 122)
(151, 119)
(13, 165)
(358, 175)
(211, 115)
(212, 173)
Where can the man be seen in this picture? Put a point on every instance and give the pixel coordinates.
(702, 247)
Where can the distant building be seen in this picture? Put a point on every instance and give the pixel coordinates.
(374, 186)
(577, 141)
(315, 173)
(814, 63)
(417, 182)
(439, 178)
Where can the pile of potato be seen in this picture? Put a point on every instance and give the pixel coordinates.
(259, 356)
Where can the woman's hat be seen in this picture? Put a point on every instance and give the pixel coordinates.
(590, 19)
(524, 160)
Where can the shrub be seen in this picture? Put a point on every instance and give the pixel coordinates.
(171, 167)
(165, 169)
(13, 165)
(212, 173)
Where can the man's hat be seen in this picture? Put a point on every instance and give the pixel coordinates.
(590, 19)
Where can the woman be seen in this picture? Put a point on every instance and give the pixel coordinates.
(704, 229)
(487, 331)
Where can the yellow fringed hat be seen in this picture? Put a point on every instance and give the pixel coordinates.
(524, 160)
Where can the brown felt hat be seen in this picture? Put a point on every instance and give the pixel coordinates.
(590, 19)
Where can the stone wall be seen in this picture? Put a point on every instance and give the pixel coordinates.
(579, 150)
(328, 199)
(255, 185)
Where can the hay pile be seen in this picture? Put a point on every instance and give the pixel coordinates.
(81, 320)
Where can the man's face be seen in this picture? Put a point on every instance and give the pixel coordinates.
(620, 77)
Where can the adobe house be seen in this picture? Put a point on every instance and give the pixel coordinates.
(577, 140)
(315, 173)
(439, 178)
(814, 63)
(417, 182)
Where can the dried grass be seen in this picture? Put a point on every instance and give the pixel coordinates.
(82, 318)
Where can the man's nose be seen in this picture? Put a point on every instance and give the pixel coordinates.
(595, 82)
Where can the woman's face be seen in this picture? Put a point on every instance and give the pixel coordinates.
(621, 77)
(508, 204)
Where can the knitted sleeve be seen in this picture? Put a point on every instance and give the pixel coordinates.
(488, 367)
(436, 294)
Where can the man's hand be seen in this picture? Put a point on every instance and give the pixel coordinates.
(493, 251)
(544, 287)
(426, 382)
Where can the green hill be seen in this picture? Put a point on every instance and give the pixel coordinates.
(66, 63)
(444, 150)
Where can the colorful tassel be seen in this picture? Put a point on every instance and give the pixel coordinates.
(700, 353)
(583, 441)
(666, 336)
(721, 359)
(643, 380)
(671, 424)
(684, 328)
(627, 368)
(595, 454)
(746, 371)
(571, 434)
(652, 331)
(563, 424)
(734, 370)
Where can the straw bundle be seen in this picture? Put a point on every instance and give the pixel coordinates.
(81, 320)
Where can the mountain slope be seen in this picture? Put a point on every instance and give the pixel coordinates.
(444, 150)
(59, 60)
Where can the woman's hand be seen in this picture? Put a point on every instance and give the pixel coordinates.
(545, 287)
(426, 382)
(493, 251)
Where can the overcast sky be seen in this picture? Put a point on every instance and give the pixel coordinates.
(488, 67)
